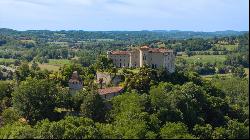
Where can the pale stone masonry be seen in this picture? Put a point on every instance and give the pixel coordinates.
(75, 83)
(153, 57)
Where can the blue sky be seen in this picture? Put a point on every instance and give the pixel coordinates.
(94, 15)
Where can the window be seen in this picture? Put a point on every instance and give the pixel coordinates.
(120, 64)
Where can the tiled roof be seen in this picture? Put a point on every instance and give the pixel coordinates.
(155, 50)
(158, 50)
(110, 90)
(120, 52)
(144, 47)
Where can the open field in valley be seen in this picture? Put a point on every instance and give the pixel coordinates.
(204, 58)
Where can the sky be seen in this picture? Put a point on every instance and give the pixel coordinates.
(133, 15)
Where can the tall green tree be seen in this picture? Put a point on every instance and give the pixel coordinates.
(35, 99)
(175, 131)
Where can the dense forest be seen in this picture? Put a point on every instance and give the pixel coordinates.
(35, 102)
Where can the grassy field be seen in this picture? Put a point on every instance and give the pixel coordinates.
(210, 77)
(6, 81)
(226, 47)
(6, 60)
(29, 41)
(59, 61)
(54, 64)
(49, 67)
(204, 58)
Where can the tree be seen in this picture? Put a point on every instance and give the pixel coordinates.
(107, 131)
(17, 62)
(233, 130)
(104, 64)
(189, 53)
(239, 72)
(220, 133)
(10, 116)
(93, 107)
(142, 80)
(35, 66)
(188, 103)
(6, 88)
(68, 128)
(129, 105)
(17, 131)
(237, 130)
(237, 93)
(35, 99)
(160, 104)
(22, 72)
(203, 132)
(175, 131)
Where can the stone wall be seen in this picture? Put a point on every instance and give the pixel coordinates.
(108, 78)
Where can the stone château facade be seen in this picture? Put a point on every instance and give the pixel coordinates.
(153, 57)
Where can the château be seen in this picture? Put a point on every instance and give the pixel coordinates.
(153, 57)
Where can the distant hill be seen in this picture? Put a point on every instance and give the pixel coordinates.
(132, 36)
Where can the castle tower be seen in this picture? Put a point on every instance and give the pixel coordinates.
(108, 54)
(144, 55)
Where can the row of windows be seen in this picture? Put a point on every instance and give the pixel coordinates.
(124, 65)
(118, 60)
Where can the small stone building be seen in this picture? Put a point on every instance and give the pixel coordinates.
(108, 78)
(75, 83)
(108, 93)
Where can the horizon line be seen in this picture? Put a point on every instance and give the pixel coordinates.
(120, 30)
